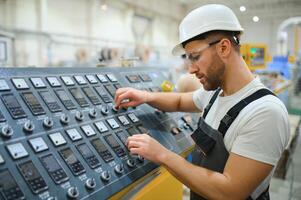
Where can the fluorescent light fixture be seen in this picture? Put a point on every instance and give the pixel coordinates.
(255, 19)
(242, 8)
(104, 6)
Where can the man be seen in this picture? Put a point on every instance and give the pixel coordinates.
(244, 127)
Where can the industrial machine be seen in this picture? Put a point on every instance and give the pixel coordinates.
(62, 138)
(255, 55)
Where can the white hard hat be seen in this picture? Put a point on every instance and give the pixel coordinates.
(204, 19)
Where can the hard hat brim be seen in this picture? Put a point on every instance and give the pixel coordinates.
(178, 50)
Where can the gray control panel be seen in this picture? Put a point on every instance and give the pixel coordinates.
(62, 138)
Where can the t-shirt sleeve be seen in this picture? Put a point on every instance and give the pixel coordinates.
(201, 98)
(264, 136)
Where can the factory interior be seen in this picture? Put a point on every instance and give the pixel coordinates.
(65, 135)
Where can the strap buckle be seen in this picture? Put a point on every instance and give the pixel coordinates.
(227, 119)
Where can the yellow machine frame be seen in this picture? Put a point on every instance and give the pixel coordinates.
(255, 55)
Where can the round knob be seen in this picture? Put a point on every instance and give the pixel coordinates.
(7, 131)
(105, 109)
(28, 127)
(105, 176)
(131, 163)
(64, 119)
(119, 169)
(47, 122)
(114, 109)
(92, 113)
(90, 183)
(140, 159)
(73, 192)
(79, 116)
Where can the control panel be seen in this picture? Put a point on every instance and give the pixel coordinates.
(62, 138)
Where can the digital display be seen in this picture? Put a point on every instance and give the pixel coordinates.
(99, 145)
(13, 106)
(79, 97)
(132, 131)
(47, 97)
(112, 141)
(65, 99)
(145, 77)
(85, 150)
(111, 89)
(50, 163)
(133, 78)
(29, 171)
(33, 103)
(73, 163)
(50, 101)
(7, 181)
(122, 136)
(91, 95)
(10, 101)
(104, 96)
(69, 156)
(62, 95)
(88, 155)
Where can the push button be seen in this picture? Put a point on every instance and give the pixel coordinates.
(88, 130)
(124, 121)
(113, 124)
(3, 85)
(67, 80)
(102, 78)
(133, 117)
(91, 79)
(17, 151)
(53, 81)
(101, 127)
(73, 134)
(37, 82)
(20, 83)
(38, 144)
(57, 139)
(80, 80)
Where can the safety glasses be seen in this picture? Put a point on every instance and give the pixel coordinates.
(195, 56)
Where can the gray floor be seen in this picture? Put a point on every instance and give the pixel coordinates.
(289, 189)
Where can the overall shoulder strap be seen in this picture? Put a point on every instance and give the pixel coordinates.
(234, 111)
(206, 110)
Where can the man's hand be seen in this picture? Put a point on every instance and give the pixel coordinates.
(147, 147)
(130, 97)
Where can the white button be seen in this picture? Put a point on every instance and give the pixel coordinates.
(73, 134)
(88, 130)
(101, 127)
(37, 82)
(67, 80)
(57, 139)
(3, 85)
(38, 144)
(20, 83)
(80, 80)
(17, 150)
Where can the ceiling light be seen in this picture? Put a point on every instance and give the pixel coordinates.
(104, 6)
(255, 19)
(242, 8)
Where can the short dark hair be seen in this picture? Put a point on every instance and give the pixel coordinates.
(233, 36)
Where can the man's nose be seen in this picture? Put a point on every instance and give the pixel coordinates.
(192, 69)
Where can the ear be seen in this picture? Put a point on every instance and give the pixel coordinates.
(224, 48)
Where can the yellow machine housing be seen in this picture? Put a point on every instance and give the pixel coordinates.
(255, 55)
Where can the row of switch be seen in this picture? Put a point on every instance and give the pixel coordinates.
(20, 83)
(17, 150)
(6, 131)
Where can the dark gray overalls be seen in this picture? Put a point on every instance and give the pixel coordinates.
(210, 151)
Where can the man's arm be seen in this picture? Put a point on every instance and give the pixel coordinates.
(240, 178)
(166, 101)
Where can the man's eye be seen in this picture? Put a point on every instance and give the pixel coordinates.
(194, 57)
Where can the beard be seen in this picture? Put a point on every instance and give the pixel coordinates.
(215, 74)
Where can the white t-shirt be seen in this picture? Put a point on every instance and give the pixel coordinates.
(260, 131)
